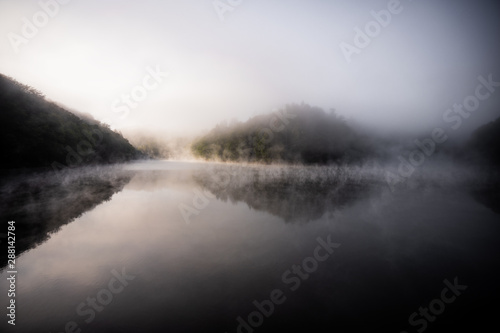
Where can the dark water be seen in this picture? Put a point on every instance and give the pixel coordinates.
(195, 245)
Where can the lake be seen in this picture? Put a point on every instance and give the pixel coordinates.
(164, 246)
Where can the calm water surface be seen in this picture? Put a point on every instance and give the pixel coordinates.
(196, 244)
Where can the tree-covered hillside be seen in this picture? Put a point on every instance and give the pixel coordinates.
(296, 133)
(485, 142)
(36, 133)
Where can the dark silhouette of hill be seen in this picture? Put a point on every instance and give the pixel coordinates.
(36, 133)
(484, 147)
(298, 133)
(485, 142)
(40, 204)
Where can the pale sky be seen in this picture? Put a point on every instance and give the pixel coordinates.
(90, 53)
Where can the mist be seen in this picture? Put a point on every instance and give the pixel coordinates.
(249, 166)
(210, 64)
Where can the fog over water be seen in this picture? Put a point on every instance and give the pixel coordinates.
(252, 223)
(249, 166)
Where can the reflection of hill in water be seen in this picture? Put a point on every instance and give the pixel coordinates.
(296, 194)
(41, 204)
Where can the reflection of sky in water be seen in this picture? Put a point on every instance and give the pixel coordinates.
(396, 250)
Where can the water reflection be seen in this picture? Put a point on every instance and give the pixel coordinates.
(296, 194)
(396, 251)
(41, 203)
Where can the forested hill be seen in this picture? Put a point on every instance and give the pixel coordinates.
(36, 133)
(296, 133)
(485, 142)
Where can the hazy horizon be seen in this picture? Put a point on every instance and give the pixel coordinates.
(244, 149)
(260, 57)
